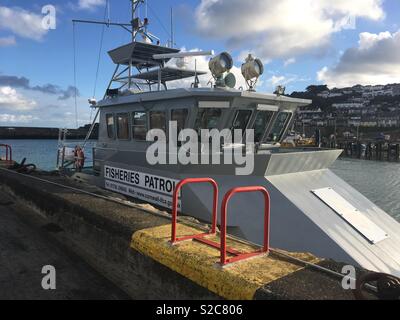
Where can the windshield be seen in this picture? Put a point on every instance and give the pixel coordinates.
(261, 124)
(241, 120)
(279, 127)
(208, 119)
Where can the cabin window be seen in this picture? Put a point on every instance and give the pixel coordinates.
(180, 116)
(123, 126)
(139, 125)
(208, 119)
(110, 126)
(261, 124)
(279, 126)
(158, 120)
(241, 120)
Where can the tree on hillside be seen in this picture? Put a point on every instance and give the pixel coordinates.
(316, 89)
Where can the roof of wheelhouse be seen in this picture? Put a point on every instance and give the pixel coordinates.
(206, 93)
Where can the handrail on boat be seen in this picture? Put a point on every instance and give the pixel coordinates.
(8, 151)
(267, 199)
(178, 188)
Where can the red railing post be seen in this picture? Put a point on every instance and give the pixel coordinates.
(8, 151)
(267, 210)
(178, 188)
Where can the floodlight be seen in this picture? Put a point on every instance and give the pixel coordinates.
(220, 64)
(252, 68)
(230, 80)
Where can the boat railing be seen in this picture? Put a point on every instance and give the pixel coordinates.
(67, 157)
(8, 149)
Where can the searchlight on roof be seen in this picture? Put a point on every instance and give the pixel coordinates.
(252, 69)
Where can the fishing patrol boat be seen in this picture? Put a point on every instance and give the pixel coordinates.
(312, 210)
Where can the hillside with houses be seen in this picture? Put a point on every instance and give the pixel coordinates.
(364, 108)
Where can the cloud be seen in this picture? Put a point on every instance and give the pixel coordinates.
(11, 99)
(90, 4)
(276, 80)
(69, 93)
(48, 105)
(278, 29)
(289, 62)
(375, 60)
(48, 112)
(285, 80)
(12, 118)
(22, 23)
(7, 41)
(24, 83)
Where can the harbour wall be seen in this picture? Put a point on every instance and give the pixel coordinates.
(130, 247)
(44, 133)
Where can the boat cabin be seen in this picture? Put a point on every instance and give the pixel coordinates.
(127, 119)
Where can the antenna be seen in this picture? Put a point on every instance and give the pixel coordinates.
(108, 4)
(196, 77)
(135, 27)
(172, 28)
(133, 19)
(146, 16)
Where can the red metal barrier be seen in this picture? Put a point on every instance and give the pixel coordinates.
(228, 196)
(174, 239)
(8, 151)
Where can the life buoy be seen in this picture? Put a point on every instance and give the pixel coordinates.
(79, 158)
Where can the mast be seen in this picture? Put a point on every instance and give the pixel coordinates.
(134, 27)
(146, 55)
(172, 29)
(133, 19)
(136, 23)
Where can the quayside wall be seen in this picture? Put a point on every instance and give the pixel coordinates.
(45, 133)
(130, 246)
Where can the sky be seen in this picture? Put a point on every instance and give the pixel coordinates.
(301, 42)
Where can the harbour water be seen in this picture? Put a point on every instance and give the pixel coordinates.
(378, 181)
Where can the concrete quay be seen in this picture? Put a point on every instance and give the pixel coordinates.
(129, 245)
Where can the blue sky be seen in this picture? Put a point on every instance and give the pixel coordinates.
(302, 42)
